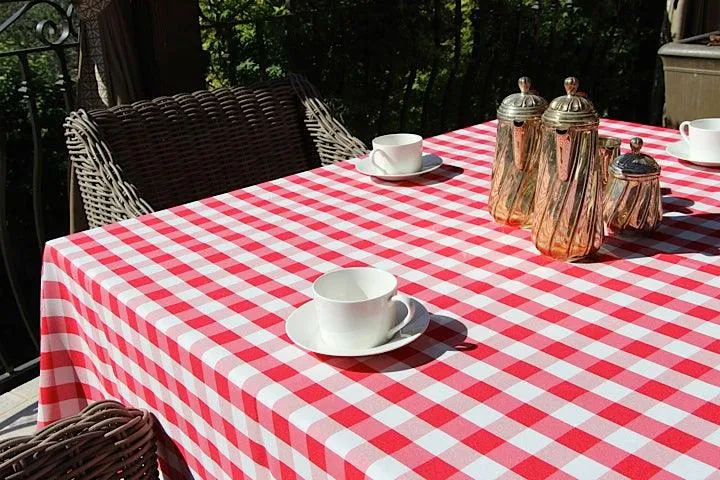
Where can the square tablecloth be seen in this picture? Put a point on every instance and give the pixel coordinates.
(530, 367)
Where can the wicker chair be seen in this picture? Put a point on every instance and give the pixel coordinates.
(133, 159)
(104, 441)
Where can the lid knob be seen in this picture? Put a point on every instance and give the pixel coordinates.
(636, 145)
(524, 84)
(571, 85)
(635, 165)
(519, 107)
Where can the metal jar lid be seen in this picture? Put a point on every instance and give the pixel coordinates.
(635, 165)
(571, 110)
(522, 106)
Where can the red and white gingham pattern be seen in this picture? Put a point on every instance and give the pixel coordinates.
(530, 367)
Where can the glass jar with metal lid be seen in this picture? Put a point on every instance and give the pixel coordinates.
(633, 203)
(517, 151)
(568, 222)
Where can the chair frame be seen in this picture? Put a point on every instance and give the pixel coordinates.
(107, 196)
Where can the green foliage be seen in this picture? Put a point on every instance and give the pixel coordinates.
(234, 32)
(417, 65)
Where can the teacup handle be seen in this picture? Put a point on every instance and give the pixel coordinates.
(372, 159)
(683, 133)
(411, 313)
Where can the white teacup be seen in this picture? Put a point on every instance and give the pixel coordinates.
(703, 137)
(355, 307)
(397, 153)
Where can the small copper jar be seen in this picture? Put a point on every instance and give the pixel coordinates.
(517, 151)
(633, 203)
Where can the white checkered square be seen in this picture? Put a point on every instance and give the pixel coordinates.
(572, 414)
(689, 468)
(599, 350)
(438, 392)
(482, 415)
(481, 370)
(704, 390)
(485, 467)
(271, 393)
(305, 417)
(584, 467)
(524, 391)
(436, 442)
(612, 391)
(667, 414)
(519, 350)
(393, 416)
(648, 369)
(626, 440)
(564, 370)
(387, 467)
(354, 393)
(530, 441)
(343, 442)
(682, 349)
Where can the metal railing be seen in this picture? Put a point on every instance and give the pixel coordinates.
(38, 45)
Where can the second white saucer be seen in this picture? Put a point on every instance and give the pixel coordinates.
(430, 163)
(302, 328)
(681, 150)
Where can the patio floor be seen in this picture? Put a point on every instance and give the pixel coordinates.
(18, 410)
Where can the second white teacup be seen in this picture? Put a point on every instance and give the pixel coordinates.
(355, 307)
(397, 153)
(703, 137)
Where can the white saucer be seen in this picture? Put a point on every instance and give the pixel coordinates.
(430, 162)
(302, 328)
(681, 150)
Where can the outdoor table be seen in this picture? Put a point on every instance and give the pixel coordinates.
(530, 367)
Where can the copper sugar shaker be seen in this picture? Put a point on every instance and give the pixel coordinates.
(633, 203)
(568, 222)
(517, 152)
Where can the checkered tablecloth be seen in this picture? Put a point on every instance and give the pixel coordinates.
(530, 367)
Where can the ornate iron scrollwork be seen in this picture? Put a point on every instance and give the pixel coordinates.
(50, 32)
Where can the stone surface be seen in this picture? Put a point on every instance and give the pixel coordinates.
(18, 410)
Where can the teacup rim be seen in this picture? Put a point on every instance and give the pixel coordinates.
(317, 295)
(694, 124)
(412, 138)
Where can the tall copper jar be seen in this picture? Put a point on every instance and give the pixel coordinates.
(568, 220)
(517, 151)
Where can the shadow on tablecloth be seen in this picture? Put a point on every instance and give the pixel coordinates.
(441, 175)
(444, 334)
(678, 234)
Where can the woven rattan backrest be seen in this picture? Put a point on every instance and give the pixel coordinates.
(135, 159)
(187, 147)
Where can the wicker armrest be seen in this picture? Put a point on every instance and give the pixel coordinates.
(106, 195)
(106, 440)
(332, 140)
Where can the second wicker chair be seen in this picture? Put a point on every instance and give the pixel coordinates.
(133, 159)
(105, 441)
